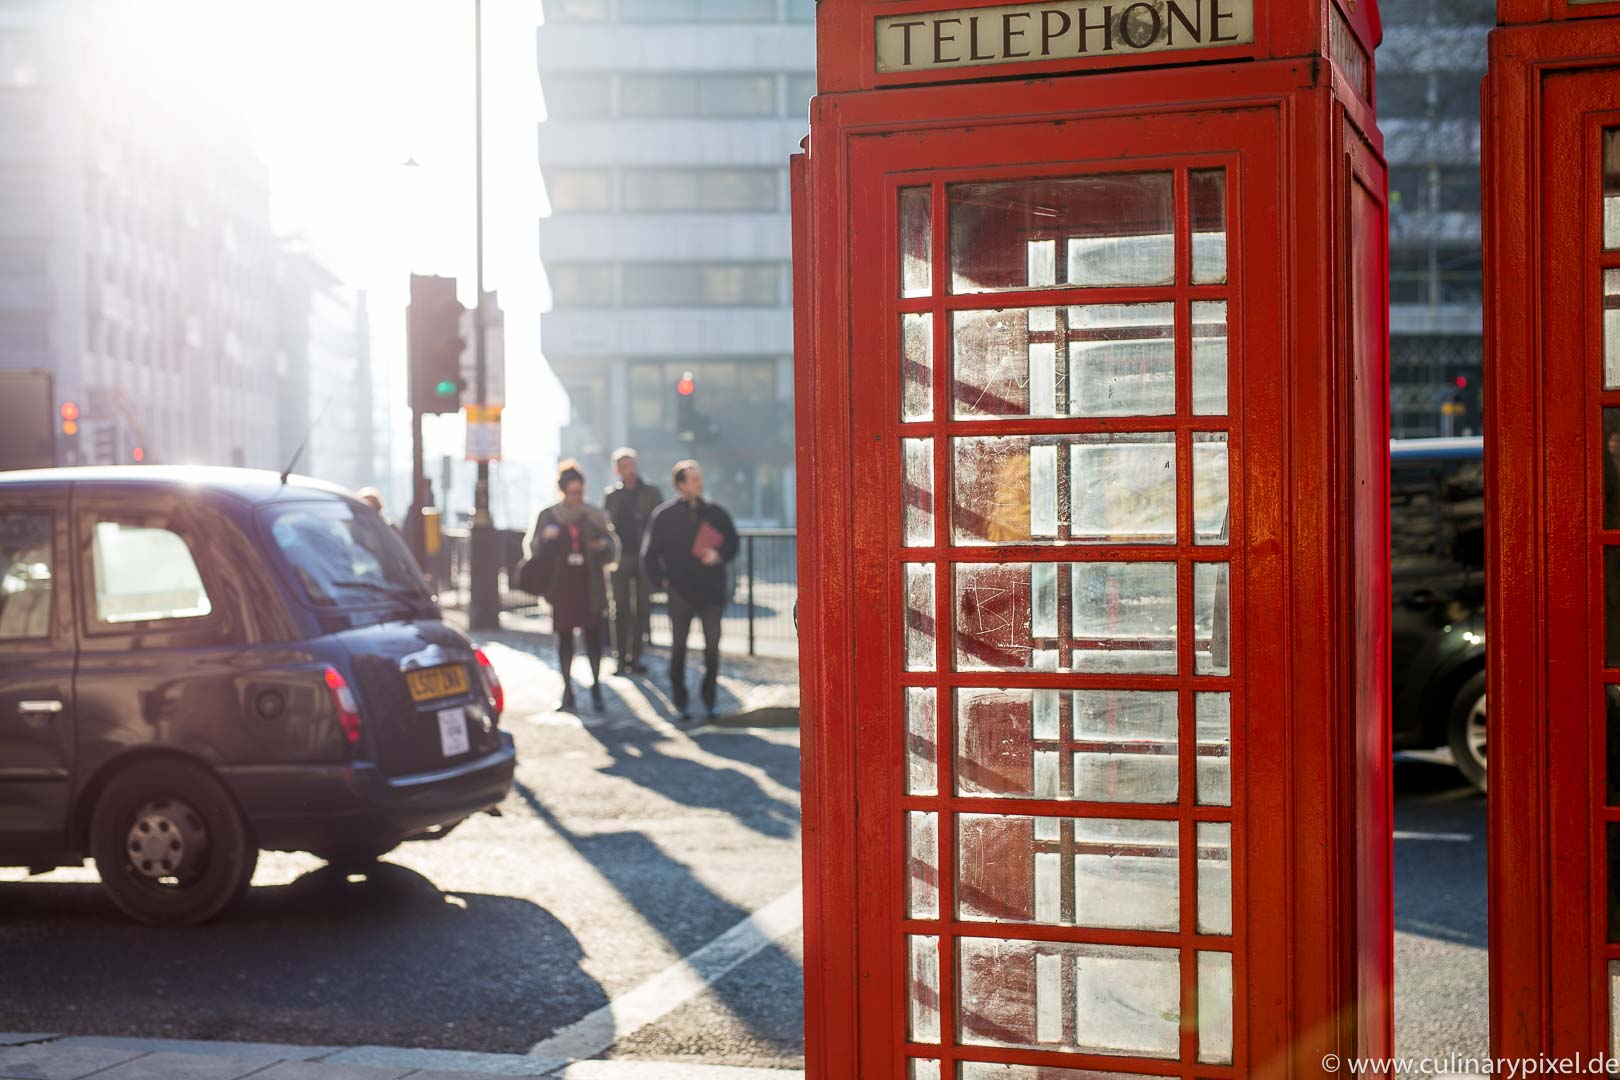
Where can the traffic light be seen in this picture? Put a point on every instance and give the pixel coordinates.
(70, 418)
(434, 345)
(691, 423)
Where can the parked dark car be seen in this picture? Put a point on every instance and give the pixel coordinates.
(199, 663)
(1437, 625)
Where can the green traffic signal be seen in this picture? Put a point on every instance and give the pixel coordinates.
(445, 388)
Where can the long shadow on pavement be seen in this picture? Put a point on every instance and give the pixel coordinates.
(1439, 875)
(327, 959)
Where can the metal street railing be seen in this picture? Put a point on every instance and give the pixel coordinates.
(758, 618)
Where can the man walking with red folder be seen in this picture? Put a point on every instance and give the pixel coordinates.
(688, 543)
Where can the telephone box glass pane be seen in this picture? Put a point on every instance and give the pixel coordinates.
(1206, 189)
(1215, 1008)
(916, 368)
(1611, 329)
(1098, 872)
(1086, 231)
(1120, 489)
(1614, 1009)
(1213, 715)
(924, 980)
(1611, 718)
(982, 1070)
(1009, 743)
(1124, 617)
(918, 496)
(922, 874)
(1122, 360)
(922, 770)
(1209, 357)
(1125, 746)
(916, 241)
(1068, 996)
(1611, 607)
(924, 1069)
(1214, 877)
(1123, 488)
(1611, 189)
(1612, 833)
(1211, 494)
(1611, 468)
(920, 617)
(1005, 364)
(1211, 619)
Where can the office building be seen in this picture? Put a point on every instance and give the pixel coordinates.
(1429, 71)
(664, 155)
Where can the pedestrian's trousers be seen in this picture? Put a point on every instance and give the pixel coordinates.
(630, 614)
(681, 613)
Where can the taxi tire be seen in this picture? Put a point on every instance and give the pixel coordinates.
(1457, 730)
(230, 853)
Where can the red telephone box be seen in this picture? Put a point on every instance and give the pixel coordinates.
(1092, 406)
(1552, 230)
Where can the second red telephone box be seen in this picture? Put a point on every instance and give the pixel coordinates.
(1093, 454)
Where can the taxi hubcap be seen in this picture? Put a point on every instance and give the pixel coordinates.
(166, 840)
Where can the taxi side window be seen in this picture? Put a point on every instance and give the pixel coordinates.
(143, 574)
(26, 575)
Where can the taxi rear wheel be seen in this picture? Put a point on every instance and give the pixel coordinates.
(170, 844)
(1466, 732)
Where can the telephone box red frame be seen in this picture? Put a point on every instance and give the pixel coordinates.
(1552, 88)
(1290, 116)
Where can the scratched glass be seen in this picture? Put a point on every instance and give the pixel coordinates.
(1614, 1009)
(1004, 491)
(1212, 645)
(1209, 357)
(1125, 746)
(923, 1069)
(1611, 329)
(916, 241)
(1214, 877)
(920, 617)
(1124, 617)
(1114, 229)
(1069, 996)
(1206, 189)
(918, 495)
(1123, 488)
(1215, 1008)
(922, 767)
(923, 984)
(1005, 364)
(1122, 360)
(1009, 743)
(922, 865)
(1211, 491)
(1213, 715)
(1096, 872)
(916, 368)
(1006, 617)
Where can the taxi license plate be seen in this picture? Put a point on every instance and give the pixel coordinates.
(438, 682)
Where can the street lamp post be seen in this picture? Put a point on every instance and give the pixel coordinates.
(484, 603)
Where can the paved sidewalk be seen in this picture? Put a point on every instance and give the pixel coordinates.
(755, 691)
(43, 1056)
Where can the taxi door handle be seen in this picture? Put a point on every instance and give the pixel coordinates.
(37, 708)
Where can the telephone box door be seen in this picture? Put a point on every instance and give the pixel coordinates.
(1067, 442)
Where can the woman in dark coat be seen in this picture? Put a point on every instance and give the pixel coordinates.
(575, 548)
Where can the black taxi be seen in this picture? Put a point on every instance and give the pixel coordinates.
(197, 664)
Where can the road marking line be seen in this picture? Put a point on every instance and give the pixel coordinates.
(1446, 837)
(677, 984)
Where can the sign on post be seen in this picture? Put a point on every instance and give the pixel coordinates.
(483, 432)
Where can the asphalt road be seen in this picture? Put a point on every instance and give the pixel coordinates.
(625, 846)
(1440, 974)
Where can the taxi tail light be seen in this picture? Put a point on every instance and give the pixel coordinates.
(497, 696)
(348, 709)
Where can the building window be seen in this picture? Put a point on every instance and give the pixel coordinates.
(1408, 276)
(1403, 94)
(1408, 189)
(580, 189)
(697, 10)
(1460, 277)
(665, 190)
(1459, 189)
(800, 89)
(704, 284)
(575, 285)
(801, 10)
(691, 95)
(577, 95)
(562, 11)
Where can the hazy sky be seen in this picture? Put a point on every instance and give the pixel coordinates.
(339, 93)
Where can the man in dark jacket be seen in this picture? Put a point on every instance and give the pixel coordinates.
(629, 506)
(689, 541)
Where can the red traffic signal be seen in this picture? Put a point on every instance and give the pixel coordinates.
(70, 410)
(1462, 382)
(687, 385)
